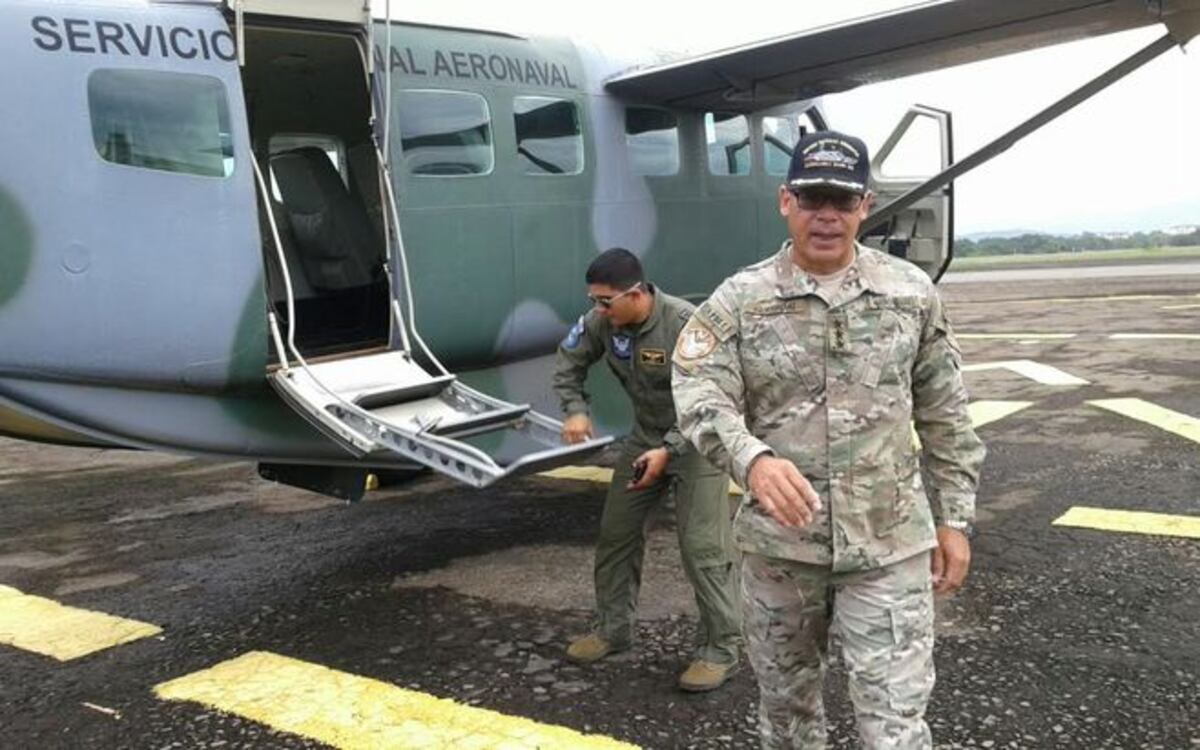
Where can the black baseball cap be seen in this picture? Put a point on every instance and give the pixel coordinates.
(830, 158)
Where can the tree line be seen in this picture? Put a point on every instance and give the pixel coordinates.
(1052, 243)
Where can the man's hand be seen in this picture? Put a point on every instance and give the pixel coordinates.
(951, 560)
(577, 429)
(782, 491)
(655, 460)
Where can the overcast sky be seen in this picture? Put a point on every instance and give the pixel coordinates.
(1127, 159)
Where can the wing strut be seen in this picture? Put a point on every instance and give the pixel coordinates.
(998, 146)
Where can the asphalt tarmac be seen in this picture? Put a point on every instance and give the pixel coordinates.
(1065, 637)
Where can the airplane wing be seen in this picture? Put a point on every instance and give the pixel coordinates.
(912, 39)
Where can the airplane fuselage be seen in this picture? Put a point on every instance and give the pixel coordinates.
(134, 293)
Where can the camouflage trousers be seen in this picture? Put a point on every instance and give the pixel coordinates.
(702, 516)
(883, 619)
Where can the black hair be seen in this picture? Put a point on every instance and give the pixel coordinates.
(615, 267)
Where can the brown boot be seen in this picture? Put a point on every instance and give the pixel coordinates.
(590, 648)
(702, 676)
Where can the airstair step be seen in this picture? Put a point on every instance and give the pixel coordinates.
(403, 394)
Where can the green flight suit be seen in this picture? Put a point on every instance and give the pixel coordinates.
(640, 357)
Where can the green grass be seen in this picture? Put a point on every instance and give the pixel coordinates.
(980, 263)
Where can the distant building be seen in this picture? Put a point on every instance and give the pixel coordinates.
(1182, 229)
(1113, 235)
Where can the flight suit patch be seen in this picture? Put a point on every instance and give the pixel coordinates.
(652, 356)
(622, 346)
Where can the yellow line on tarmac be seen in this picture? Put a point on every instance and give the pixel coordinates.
(64, 633)
(984, 412)
(981, 413)
(600, 475)
(1028, 336)
(1131, 522)
(582, 473)
(1180, 307)
(1044, 374)
(1144, 411)
(1112, 298)
(1193, 336)
(349, 711)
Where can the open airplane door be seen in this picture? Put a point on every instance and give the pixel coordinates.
(356, 12)
(396, 407)
(919, 147)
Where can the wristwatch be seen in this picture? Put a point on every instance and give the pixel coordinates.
(966, 527)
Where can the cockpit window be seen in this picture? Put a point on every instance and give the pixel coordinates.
(780, 136)
(444, 133)
(652, 138)
(728, 138)
(174, 122)
(549, 140)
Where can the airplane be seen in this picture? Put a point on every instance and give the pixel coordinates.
(300, 233)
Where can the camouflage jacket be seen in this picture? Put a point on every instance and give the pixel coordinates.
(640, 357)
(770, 365)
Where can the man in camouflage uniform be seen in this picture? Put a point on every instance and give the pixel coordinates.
(801, 376)
(633, 326)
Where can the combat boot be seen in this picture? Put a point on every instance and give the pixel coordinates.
(702, 675)
(590, 648)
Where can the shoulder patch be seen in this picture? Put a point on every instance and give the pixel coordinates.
(696, 341)
(574, 335)
(716, 319)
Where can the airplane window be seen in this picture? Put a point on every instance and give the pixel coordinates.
(174, 122)
(780, 135)
(652, 138)
(549, 140)
(728, 138)
(444, 133)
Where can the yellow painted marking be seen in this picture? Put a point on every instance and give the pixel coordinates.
(1192, 336)
(582, 473)
(64, 633)
(1131, 522)
(600, 476)
(349, 711)
(1023, 336)
(984, 412)
(1181, 307)
(1144, 411)
(1111, 298)
(1044, 374)
(981, 413)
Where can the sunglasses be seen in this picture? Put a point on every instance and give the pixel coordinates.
(810, 199)
(607, 302)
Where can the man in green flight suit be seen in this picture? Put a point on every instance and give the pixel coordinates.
(633, 326)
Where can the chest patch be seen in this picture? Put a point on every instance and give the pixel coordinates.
(656, 357)
(622, 346)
